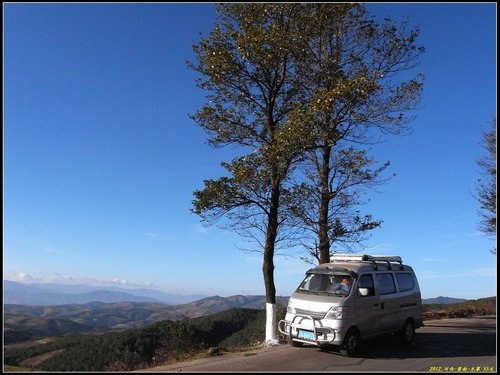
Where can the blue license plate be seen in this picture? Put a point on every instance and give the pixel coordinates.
(306, 335)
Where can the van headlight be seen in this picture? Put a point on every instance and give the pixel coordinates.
(290, 309)
(337, 313)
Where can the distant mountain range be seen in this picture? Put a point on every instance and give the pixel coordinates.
(62, 294)
(38, 294)
(442, 300)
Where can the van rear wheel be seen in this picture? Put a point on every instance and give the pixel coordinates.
(408, 332)
(352, 342)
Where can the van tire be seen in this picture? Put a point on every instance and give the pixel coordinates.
(293, 343)
(408, 332)
(352, 342)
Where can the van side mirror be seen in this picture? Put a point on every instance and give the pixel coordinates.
(363, 292)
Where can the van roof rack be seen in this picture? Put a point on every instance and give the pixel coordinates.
(368, 258)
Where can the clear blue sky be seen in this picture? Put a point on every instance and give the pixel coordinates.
(101, 158)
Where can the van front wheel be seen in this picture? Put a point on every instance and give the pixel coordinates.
(293, 343)
(352, 342)
(408, 332)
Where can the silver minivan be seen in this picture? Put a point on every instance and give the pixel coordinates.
(352, 298)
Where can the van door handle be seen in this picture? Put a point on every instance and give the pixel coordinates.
(375, 304)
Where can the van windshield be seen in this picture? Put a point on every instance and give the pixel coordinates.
(326, 284)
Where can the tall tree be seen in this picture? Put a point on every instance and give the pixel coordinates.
(350, 68)
(350, 175)
(487, 186)
(253, 101)
(275, 91)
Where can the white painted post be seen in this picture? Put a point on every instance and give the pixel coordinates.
(271, 338)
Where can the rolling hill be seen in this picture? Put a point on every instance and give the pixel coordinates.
(442, 300)
(101, 316)
(19, 328)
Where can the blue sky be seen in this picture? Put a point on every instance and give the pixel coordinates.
(101, 158)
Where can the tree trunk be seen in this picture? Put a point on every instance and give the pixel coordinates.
(268, 266)
(324, 239)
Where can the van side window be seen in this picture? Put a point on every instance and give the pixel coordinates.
(385, 283)
(366, 281)
(405, 281)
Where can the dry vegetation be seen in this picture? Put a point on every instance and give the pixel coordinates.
(482, 306)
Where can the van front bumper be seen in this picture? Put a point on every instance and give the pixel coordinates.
(309, 330)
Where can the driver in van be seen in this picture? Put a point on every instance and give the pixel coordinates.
(345, 285)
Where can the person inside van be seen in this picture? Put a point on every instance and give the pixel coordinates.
(345, 285)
